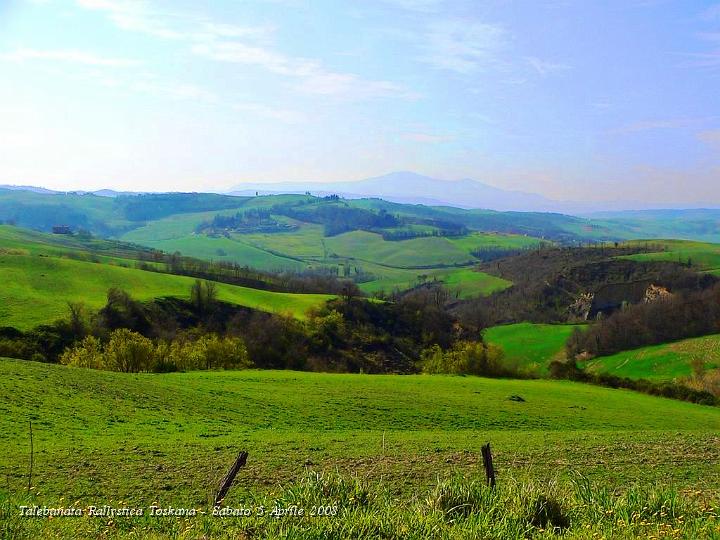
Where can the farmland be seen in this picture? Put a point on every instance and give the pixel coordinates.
(391, 264)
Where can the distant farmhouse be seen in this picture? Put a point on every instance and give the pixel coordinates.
(61, 229)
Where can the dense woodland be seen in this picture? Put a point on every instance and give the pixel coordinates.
(547, 282)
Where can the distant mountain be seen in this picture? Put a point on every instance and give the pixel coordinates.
(412, 188)
(27, 188)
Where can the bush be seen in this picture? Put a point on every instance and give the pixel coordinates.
(465, 358)
(129, 352)
(88, 354)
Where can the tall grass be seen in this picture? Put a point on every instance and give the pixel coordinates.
(455, 507)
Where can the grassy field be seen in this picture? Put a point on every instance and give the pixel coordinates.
(700, 255)
(467, 282)
(102, 437)
(37, 289)
(424, 251)
(41, 273)
(394, 264)
(661, 362)
(478, 240)
(531, 346)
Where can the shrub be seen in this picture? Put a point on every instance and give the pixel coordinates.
(88, 354)
(465, 358)
(130, 352)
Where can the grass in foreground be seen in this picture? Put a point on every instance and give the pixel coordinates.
(530, 346)
(148, 437)
(336, 506)
(398, 455)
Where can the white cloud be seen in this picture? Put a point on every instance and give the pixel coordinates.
(244, 45)
(710, 137)
(134, 15)
(669, 123)
(312, 77)
(544, 68)
(464, 46)
(73, 56)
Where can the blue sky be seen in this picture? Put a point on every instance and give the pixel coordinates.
(576, 100)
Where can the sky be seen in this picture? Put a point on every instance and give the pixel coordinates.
(574, 99)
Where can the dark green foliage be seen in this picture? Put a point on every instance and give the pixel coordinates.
(548, 281)
(680, 316)
(148, 207)
(338, 218)
(547, 513)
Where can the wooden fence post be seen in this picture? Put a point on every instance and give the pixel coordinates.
(32, 456)
(230, 477)
(488, 464)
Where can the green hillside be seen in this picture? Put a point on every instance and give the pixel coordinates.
(531, 346)
(392, 264)
(699, 255)
(41, 273)
(418, 252)
(133, 434)
(661, 362)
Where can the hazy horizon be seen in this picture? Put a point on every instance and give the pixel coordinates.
(614, 101)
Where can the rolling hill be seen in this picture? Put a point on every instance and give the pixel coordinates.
(530, 347)
(42, 273)
(665, 362)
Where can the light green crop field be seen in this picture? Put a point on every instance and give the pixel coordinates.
(168, 438)
(225, 249)
(305, 242)
(172, 227)
(661, 362)
(478, 240)
(395, 264)
(700, 255)
(37, 289)
(425, 251)
(467, 282)
(531, 346)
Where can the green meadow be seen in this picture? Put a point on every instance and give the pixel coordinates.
(37, 289)
(661, 362)
(169, 437)
(700, 255)
(393, 264)
(531, 346)
(416, 252)
(41, 273)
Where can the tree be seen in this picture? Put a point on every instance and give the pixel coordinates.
(203, 295)
(129, 352)
(78, 319)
